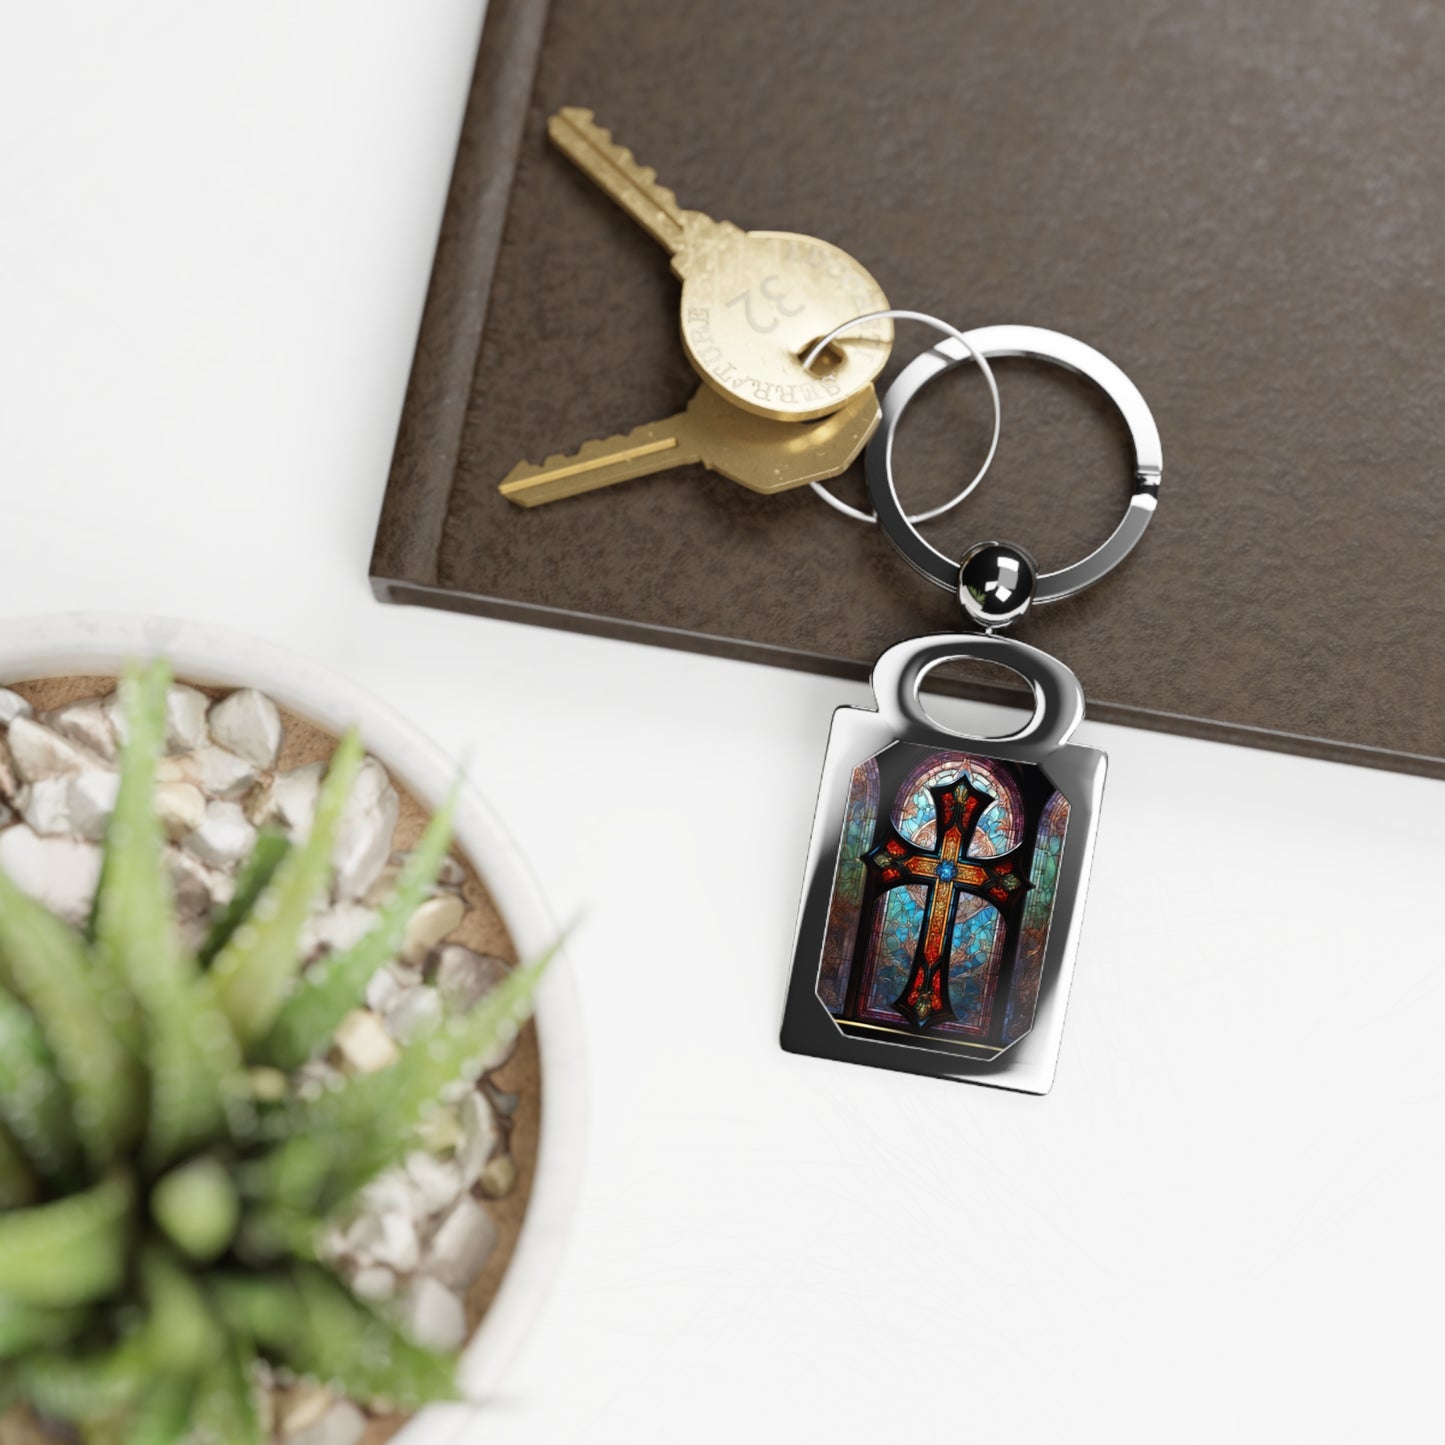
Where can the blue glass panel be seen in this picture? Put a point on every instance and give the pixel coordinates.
(973, 964)
(998, 830)
(898, 917)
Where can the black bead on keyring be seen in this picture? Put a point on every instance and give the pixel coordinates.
(996, 582)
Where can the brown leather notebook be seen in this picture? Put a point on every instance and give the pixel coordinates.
(1243, 206)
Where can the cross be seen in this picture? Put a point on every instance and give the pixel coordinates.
(948, 873)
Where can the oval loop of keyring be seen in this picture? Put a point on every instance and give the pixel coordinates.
(1058, 696)
(1036, 344)
(963, 351)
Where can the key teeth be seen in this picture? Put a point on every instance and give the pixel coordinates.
(525, 471)
(645, 177)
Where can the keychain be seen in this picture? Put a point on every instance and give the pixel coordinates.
(945, 881)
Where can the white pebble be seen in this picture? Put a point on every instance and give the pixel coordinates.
(481, 1135)
(364, 1043)
(361, 1237)
(431, 923)
(436, 1318)
(400, 1249)
(181, 808)
(302, 1405)
(375, 1282)
(464, 976)
(439, 1131)
(38, 752)
(383, 886)
(9, 783)
(337, 928)
(499, 1178)
(462, 1244)
(111, 706)
(45, 805)
(438, 1181)
(248, 724)
(292, 798)
(12, 706)
(364, 833)
(381, 989)
(342, 1424)
(198, 889)
(175, 770)
(61, 873)
(412, 1013)
(185, 718)
(220, 773)
(390, 1192)
(86, 723)
(224, 837)
(506, 1046)
(90, 799)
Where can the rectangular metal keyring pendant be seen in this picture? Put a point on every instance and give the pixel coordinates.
(945, 882)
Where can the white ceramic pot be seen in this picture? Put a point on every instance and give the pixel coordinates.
(71, 644)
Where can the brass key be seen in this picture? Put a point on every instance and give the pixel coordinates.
(766, 456)
(753, 302)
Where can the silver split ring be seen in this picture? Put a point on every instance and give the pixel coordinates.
(963, 350)
(1036, 344)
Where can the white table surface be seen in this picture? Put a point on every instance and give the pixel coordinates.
(218, 223)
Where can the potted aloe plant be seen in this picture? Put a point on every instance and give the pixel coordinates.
(169, 1174)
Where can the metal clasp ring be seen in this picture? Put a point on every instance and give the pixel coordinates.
(963, 350)
(1058, 698)
(1036, 344)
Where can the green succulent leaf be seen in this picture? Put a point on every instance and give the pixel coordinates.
(225, 1404)
(257, 1306)
(160, 1416)
(192, 1057)
(34, 1104)
(256, 969)
(18, 1184)
(308, 1320)
(183, 1331)
(331, 989)
(359, 1352)
(267, 854)
(70, 1251)
(197, 1207)
(338, 1143)
(273, 1232)
(88, 1387)
(45, 963)
(133, 905)
(25, 1327)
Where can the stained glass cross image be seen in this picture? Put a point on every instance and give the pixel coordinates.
(949, 874)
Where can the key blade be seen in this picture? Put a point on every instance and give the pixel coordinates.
(640, 452)
(776, 456)
(615, 170)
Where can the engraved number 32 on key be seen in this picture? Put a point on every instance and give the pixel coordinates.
(773, 293)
